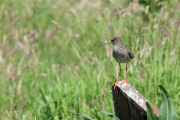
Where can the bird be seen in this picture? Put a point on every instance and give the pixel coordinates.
(122, 54)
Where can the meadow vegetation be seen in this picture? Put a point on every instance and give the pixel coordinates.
(52, 65)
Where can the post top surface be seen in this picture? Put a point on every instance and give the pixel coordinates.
(132, 94)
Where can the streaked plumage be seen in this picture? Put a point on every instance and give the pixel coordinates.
(121, 54)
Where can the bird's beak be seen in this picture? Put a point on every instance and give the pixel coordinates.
(106, 43)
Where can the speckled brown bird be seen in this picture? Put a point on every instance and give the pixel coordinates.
(121, 54)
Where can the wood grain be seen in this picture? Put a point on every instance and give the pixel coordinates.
(129, 104)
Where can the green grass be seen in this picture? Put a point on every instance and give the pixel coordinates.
(55, 76)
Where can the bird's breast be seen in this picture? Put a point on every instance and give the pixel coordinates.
(120, 55)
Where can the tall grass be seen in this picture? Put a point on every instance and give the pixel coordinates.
(52, 65)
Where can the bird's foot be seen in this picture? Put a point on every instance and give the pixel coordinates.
(117, 82)
(127, 82)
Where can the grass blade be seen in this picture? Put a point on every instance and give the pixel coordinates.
(84, 116)
(110, 115)
(167, 111)
(150, 113)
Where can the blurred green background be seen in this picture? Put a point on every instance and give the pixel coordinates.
(52, 65)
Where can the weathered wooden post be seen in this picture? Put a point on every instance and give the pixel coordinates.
(129, 104)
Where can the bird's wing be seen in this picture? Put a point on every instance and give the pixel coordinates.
(129, 52)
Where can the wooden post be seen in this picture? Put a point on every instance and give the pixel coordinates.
(129, 104)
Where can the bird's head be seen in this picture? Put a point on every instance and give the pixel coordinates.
(114, 41)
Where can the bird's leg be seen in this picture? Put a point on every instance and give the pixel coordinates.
(126, 76)
(117, 82)
(119, 71)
